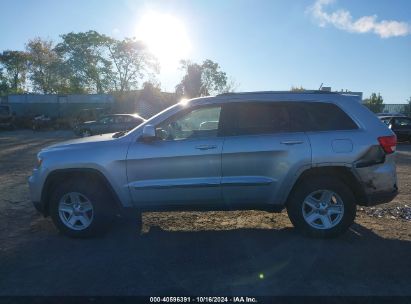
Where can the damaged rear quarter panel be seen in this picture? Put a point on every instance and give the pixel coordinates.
(379, 177)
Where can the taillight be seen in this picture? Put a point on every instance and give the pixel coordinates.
(388, 143)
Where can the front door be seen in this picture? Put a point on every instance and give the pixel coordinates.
(182, 166)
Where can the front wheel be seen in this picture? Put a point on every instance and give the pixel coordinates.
(322, 207)
(80, 208)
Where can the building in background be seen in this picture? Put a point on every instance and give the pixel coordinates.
(55, 106)
(70, 106)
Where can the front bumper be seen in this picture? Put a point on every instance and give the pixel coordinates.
(35, 185)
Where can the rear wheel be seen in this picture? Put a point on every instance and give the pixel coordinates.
(80, 208)
(322, 207)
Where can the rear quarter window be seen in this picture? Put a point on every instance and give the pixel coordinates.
(327, 117)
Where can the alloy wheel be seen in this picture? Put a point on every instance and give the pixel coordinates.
(75, 211)
(323, 209)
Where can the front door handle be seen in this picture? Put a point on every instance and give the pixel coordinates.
(292, 142)
(206, 147)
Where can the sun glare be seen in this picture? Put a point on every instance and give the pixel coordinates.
(166, 37)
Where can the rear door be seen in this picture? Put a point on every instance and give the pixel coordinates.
(262, 152)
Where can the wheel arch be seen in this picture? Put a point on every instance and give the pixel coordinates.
(343, 173)
(59, 175)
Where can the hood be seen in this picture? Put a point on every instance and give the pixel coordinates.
(81, 141)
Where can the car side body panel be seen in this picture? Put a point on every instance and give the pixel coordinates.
(239, 170)
(108, 157)
(256, 168)
(175, 172)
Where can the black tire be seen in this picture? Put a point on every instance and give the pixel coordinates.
(310, 185)
(99, 197)
(133, 216)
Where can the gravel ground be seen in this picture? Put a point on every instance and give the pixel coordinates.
(197, 253)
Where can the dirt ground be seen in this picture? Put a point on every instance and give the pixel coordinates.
(196, 253)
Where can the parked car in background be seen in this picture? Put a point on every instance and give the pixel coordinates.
(6, 117)
(42, 122)
(317, 154)
(400, 125)
(108, 124)
(390, 115)
(90, 114)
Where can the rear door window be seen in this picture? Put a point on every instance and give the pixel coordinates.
(250, 118)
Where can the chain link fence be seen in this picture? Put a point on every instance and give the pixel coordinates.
(403, 108)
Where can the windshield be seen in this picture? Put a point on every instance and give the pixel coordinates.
(154, 117)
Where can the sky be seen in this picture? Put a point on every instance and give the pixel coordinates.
(359, 45)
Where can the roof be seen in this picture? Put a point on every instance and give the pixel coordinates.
(280, 92)
(276, 96)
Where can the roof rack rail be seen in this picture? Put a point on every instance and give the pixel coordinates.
(279, 92)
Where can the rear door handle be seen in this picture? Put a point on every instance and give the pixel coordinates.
(292, 142)
(206, 147)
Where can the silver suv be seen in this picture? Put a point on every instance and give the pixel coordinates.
(314, 153)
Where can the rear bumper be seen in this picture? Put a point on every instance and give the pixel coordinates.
(379, 181)
(378, 198)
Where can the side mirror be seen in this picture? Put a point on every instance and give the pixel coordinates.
(149, 132)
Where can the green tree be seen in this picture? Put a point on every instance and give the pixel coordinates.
(131, 60)
(14, 66)
(151, 91)
(84, 58)
(297, 89)
(4, 88)
(202, 80)
(46, 71)
(375, 103)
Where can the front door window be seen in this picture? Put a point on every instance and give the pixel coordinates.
(199, 123)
